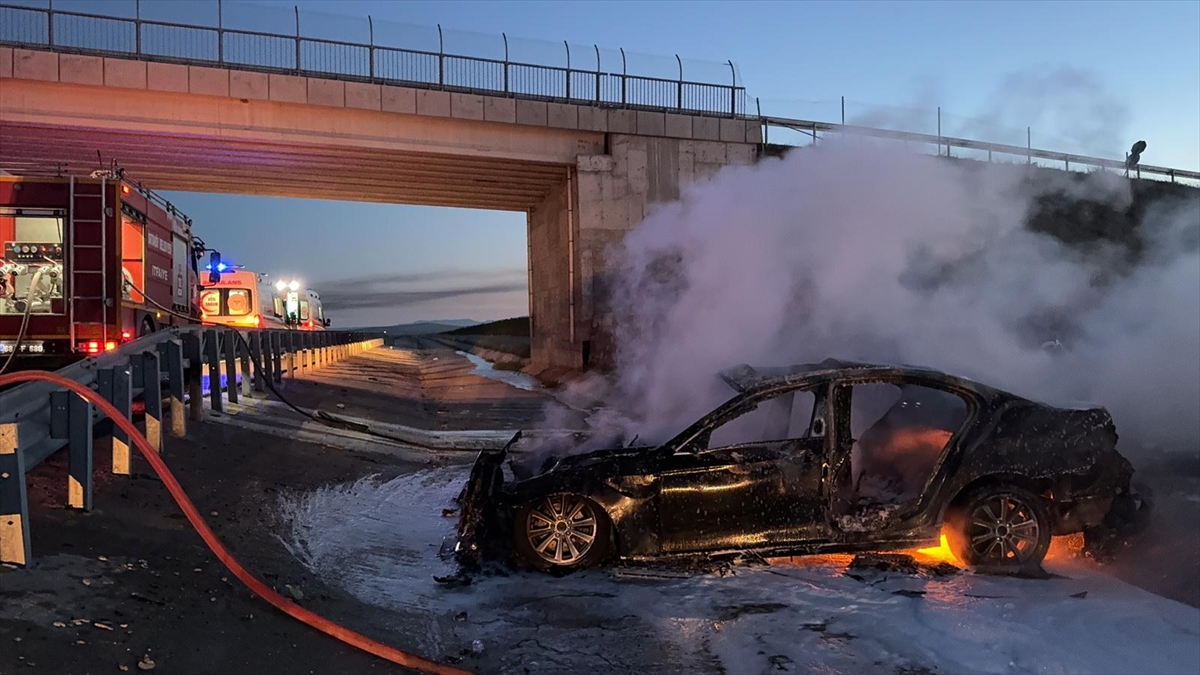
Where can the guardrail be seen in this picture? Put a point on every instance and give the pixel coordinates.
(83, 33)
(1028, 152)
(38, 419)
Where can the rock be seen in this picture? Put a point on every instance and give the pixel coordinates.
(124, 667)
(102, 559)
(59, 624)
(293, 592)
(146, 663)
(461, 616)
(477, 647)
(87, 582)
(214, 514)
(341, 406)
(101, 626)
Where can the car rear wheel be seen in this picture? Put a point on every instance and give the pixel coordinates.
(1001, 526)
(562, 532)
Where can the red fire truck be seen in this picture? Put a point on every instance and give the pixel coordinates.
(90, 262)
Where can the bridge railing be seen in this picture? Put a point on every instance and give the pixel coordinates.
(168, 375)
(296, 54)
(813, 129)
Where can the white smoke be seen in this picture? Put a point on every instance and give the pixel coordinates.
(863, 252)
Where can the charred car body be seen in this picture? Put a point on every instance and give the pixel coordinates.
(816, 458)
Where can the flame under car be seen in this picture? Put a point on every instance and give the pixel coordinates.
(816, 458)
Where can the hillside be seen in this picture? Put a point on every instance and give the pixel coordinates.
(422, 327)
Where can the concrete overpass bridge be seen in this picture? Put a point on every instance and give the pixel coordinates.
(583, 170)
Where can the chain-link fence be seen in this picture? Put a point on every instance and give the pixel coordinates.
(213, 32)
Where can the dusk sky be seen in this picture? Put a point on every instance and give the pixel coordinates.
(1087, 77)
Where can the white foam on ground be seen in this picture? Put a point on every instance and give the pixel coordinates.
(378, 540)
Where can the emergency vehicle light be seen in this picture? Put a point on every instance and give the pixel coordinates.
(221, 267)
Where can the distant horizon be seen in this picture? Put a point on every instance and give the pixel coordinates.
(438, 322)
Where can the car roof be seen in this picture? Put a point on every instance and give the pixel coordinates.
(744, 377)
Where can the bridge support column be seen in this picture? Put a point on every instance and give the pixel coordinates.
(581, 221)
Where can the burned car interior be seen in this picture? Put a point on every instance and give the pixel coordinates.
(813, 458)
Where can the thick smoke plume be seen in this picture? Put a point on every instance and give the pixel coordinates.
(862, 252)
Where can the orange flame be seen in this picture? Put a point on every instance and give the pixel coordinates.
(941, 552)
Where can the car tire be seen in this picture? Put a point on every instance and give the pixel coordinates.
(1002, 527)
(562, 532)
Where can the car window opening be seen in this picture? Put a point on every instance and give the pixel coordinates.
(786, 417)
(899, 433)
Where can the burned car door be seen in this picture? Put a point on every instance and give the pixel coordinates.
(890, 435)
(750, 479)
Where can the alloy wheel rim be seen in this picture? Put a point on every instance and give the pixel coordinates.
(561, 529)
(1003, 529)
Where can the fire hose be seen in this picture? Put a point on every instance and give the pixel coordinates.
(214, 544)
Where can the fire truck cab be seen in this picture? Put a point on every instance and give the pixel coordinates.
(90, 262)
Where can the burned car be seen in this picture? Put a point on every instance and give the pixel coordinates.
(816, 458)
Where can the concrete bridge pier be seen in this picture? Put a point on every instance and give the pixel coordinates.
(573, 231)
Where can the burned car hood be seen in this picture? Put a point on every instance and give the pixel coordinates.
(537, 463)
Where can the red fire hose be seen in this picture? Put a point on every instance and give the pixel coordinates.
(210, 539)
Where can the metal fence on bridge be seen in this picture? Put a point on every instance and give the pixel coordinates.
(297, 54)
(187, 364)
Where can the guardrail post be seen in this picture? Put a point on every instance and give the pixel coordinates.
(115, 386)
(194, 374)
(371, 48)
(212, 357)
(152, 396)
(14, 504)
(71, 420)
(260, 347)
(243, 349)
(231, 388)
(285, 355)
(276, 348)
(171, 355)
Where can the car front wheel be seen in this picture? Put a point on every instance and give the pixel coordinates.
(562, 532)
(1001, 526)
